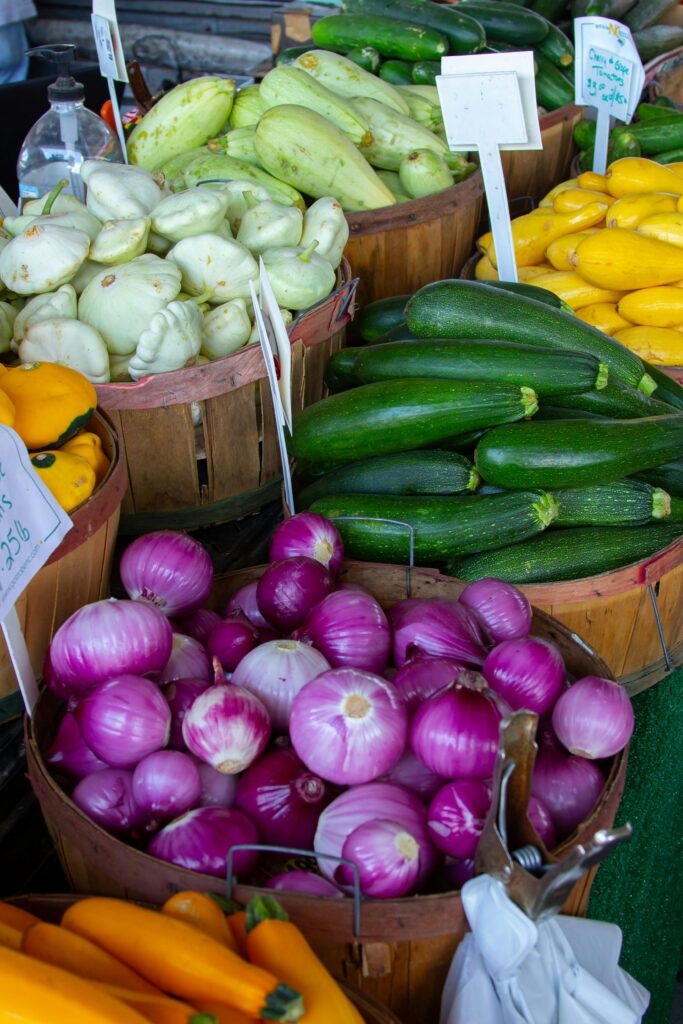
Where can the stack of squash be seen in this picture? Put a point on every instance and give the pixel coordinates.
(49, 406)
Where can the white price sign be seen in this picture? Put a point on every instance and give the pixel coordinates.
(105, 26)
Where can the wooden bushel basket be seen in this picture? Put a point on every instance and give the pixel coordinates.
(201, 445)
(404, 948)
(534, 172)
(75, 574)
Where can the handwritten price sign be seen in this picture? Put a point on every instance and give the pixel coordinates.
(608, 82)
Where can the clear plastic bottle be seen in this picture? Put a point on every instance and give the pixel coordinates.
(65, 136)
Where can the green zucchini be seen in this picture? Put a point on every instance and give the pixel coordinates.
(657, 135)
(506, 22)
(290, 54)
(398, 333)
(668, 476)
(668, 390)
(670, 156)
(569, 554)
(676, 513)
(398, 415)
(615, 401)
(419, 472)
(366, 57)
(547, 371)
(465, 442)
(388, 36)
(621, 503)
(464, 34)
(443, 527)
(575, 453)
(656, 39)
(556, 47)
(655, 111)
(398, 72)
(466, 309)
(550, 412)
(375, 319)
(425, 72)
(339, 372)
(530, 291)
(647, 12)
(552, 88)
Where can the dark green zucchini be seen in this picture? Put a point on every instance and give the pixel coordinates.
(366, 57)
(425, 72)
(569, 554)
(621, 503)
(398, 333)
(553, 90)
(550, 412)
(676, 512)
(556, 47)
(381, 316)
(465, 442)
(507, 22)
(444, 527)
(419, 472)
(398, 72)
(668, 476)
(390, 37)
(530, 291)
(616, 401)
(466, 309)
(464, 34)
(399, 415)
(547, 371)
(668, 390)
(340, 373)
(576, 452)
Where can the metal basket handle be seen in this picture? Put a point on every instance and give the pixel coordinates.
(392, 522)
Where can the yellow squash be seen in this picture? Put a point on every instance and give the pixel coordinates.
(89, 447)
(560, 251)
(576, 198)
(654, 307)
(591, 180)
(630, 210)
(636, 174)
(51, 402)
(70, 477)
(157, 1009)
(571, 287)
(665, 227)
(17, 918)
(7, 412)
(10, 936)
(676, 166)
(533, 233)
(659, 345)
(527, 275)
(484, 241)
(626, 260)
(603, 316)
(485, 270)
(549, 199)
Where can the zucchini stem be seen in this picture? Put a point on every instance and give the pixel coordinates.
(603, 376)
(547, 508)
(529, 401)
(661, 503)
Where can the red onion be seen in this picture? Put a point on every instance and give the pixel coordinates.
(308, 534)
(594, 718)
(458, 871)
(373, 801)
(169, 570)
(218, 790)
(107, 798)
(303, 881)
(569, 786)
(244, 602)
(350, 628)
(275, 672)
(230, 641)
(188, 660)
(283, 799)
(165, 784)
(422, 677)
(227, 727)
(503, 611)
(69, 753)
(124, 719)
(388, 859)
(181, 695)
(439, 628)
(197, 624)
(528, 673)
(200, 841)
(398, 610)
(289, 589)
(457, 814)
(455, 733)
(409, 771)
(540, 818)
(107, 639)
(348, 726)
(65, 691)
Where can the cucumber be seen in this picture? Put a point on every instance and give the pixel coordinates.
(464, 34)
(506, 22)
(670, 156)
(668, 476)
(615, 401)
(398, 415)
(388, 36)
(619, 146)
(398, 72)
(576, 452)
(584, 134)
(657, 135)
(665, 101)
(467, 309)
(553, 90)
(530, 291)
(622, 503)
(425, 72)
(381, 316)
(549, 9)
(668, 390)
(569, 554)
(547, 371)
(656, 39)
(366, 57)
(420, 472)
(655, 111)
(443, 527)
(646, 13)
(290, 54)
(556, 47)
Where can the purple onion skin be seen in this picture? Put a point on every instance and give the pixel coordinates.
(188, 660)
(437, 628)
(458, 871)
(456, 816)
(124, 720)
(540, 818)
(303, 882)
(197, 624)
(169, 570)
(70, 754)
(218, 790)
(181, 695)
(421, 678)
(244, 602)
(528, 673)
(410, 772)
(166, 784)
(289, 589)
(594, 718)
(107, 799)
(230, 641)
(444, 736)
(503, 611)
(227, 727)
(567, 785)
(311, 535)
(283, 799)
(387, 856)
(350, 629)
(199, 841)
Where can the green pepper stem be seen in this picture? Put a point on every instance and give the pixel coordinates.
(264, 908)
(51, 199)
(305, 256)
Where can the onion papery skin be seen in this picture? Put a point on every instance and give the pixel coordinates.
(594, 718)
(410, 772)
(69, 753)
(283, 799)
(106, 639)
(456, 816)
(541, 819)
(230, 641)
(227, 727)
(181, 695)
(200, 840)
(421, 678)
(528, 673)
(567, 785)
(387, 856)
(107, 798)
(244, 602)
(457, 871)
(166, 784)
(502, 610)
(349, 727)
(276, 671)
(304, 882)
(124, 720)
(438, 628)
(188, 660)
(289, 589)
(169, 570)
(455, 733)
(218, 790)
(350, 629)
(311, 535)
(197, 624)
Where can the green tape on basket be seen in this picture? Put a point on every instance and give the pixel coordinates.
(640, 886)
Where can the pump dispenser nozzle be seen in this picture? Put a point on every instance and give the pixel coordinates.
(66, 89)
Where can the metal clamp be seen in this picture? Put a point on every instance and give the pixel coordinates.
(259, 848)
(660, 629)
(391, 522)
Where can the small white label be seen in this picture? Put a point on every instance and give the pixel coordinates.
(111, 40)
(105, 46)
(609, 72)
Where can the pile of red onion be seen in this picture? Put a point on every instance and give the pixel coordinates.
(307, 717)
